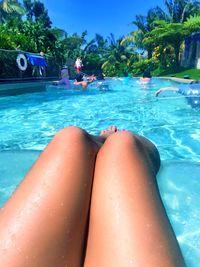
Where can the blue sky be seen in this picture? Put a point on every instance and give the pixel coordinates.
(102, 16)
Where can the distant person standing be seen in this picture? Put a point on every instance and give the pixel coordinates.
(78, 65)
(38, 63)
(42, 69)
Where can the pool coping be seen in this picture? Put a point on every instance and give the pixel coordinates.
(179, 80)
(11, 89)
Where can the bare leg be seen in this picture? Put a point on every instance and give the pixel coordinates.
(44, 222)
(128, 224)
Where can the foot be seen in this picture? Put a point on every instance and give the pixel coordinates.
(107, 132)
(99, 140)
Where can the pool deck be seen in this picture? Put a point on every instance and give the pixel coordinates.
(179, 80)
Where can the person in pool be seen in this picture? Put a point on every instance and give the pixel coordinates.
(90, 201)
(83, 80)
(191, 92)
(146, 78)
(64, 76)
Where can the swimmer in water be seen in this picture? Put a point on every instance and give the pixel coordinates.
(64, 76)
(191, 92)
(84, 80)
(146, 78)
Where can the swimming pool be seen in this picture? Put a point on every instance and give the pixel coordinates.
(29, 121)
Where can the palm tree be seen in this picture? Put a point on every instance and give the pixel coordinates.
(117, 57)
(144, 25)
(165, 34)
(170, 31)
(8, 7)
(192, 24)
(180, 10)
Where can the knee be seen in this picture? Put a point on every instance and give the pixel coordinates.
(123, 140)
(129, 139)
(71, 135)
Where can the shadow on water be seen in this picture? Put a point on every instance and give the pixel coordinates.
(52, 93)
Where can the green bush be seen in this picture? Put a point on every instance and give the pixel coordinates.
(138, 68)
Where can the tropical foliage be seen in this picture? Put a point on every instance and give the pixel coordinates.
(156, 42)
(9, 9)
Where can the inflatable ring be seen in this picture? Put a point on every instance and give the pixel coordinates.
(21, 62)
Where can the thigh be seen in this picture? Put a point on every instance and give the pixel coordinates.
(44, 223)
(128, 225)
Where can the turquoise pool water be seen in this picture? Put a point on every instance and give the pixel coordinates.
(29, 121)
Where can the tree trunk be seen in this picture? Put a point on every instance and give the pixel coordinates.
(149, 51)
(177, 51)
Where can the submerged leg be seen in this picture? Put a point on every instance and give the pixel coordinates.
(44, 222)
(128, 224)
